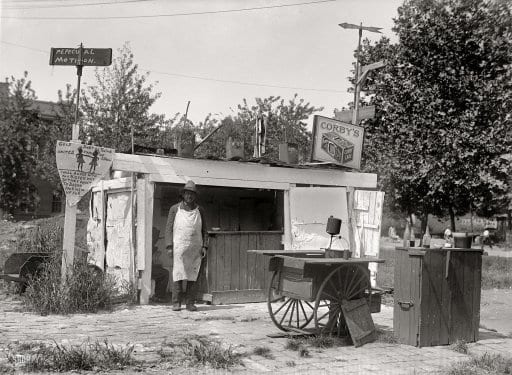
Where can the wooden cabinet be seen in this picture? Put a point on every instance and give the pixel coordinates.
(437, 295)
(230, 274)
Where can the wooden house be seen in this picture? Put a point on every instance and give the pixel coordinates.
(248, 206)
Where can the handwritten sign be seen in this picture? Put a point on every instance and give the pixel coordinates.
(90, 56)
(81, 166)
(337, 142)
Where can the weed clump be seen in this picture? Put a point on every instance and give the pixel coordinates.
(460, 346)
(483, 364)
(264, 352)
(85, 357)
(202, 351)
(85, 289)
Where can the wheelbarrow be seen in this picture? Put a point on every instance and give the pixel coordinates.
(19, 267)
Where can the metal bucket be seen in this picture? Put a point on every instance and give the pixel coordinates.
(333, 226)
(462, 240)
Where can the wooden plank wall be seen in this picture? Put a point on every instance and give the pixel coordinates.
(232, 268)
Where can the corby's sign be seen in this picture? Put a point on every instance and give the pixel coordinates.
(337, 142)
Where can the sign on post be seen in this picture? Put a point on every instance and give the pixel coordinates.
(80, 166)
(337, 142)
(364, 113)
(90, 56)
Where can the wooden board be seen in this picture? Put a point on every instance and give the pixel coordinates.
(359, 321)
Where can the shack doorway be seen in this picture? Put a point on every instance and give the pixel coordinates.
(238, 219)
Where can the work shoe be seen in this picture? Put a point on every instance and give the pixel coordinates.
(191, 307)
(176, 306)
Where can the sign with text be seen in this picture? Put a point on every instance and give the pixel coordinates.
(90, 56)
(364, 113)
(337, 142)
(80, 166)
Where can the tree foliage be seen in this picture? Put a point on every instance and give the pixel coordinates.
(444, 104)
(286, 123)
(28, 144)
(121, 100)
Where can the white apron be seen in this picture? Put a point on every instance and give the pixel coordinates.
(187, 243)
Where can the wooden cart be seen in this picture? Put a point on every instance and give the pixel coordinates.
(334, 293)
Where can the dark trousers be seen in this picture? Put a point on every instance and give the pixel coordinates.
(183, 291)
(161, 277)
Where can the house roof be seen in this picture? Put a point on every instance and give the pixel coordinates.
(46, 110)
(237, 174)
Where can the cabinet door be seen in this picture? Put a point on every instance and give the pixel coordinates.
(407, 307)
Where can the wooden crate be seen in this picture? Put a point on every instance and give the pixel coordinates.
(437, 295)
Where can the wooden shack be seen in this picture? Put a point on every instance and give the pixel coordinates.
(248, 206)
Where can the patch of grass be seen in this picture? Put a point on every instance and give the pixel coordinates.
(293, 344)
(221, 317)
(264, 352)
(325, 341)
(387, 337)
(199, 350)
(208, 352)
(86, 357)
(86, 289)
(304, 352)
(460, 346)
(496, 272)
(484, 364)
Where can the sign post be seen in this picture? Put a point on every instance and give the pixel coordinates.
(78, 57)
(359, 72)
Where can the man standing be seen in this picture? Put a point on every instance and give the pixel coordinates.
(186, 238)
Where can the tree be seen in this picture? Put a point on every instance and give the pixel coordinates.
(120, 102)
(443, 105)
(286, 123)
(28, 145)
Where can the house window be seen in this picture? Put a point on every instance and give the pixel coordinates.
(56, 201)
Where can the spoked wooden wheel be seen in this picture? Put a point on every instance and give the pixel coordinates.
(287, 312)
(345, 283)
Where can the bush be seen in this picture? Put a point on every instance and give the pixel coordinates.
(85, 289)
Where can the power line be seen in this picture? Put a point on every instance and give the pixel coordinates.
(171, 14)
(206, 78)
(21, 46)
(67, 5)
(243, 83)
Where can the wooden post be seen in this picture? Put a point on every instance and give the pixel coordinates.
(357, 87)
(145, 197)
(287, 241)
(68, 241)
(351, 224)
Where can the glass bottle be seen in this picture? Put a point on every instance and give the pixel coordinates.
(406, 235)
(426, 238)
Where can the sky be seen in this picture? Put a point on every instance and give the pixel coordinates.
(211, 53)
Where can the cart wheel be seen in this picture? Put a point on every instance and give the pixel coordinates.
(346, 282)
(287, 312)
